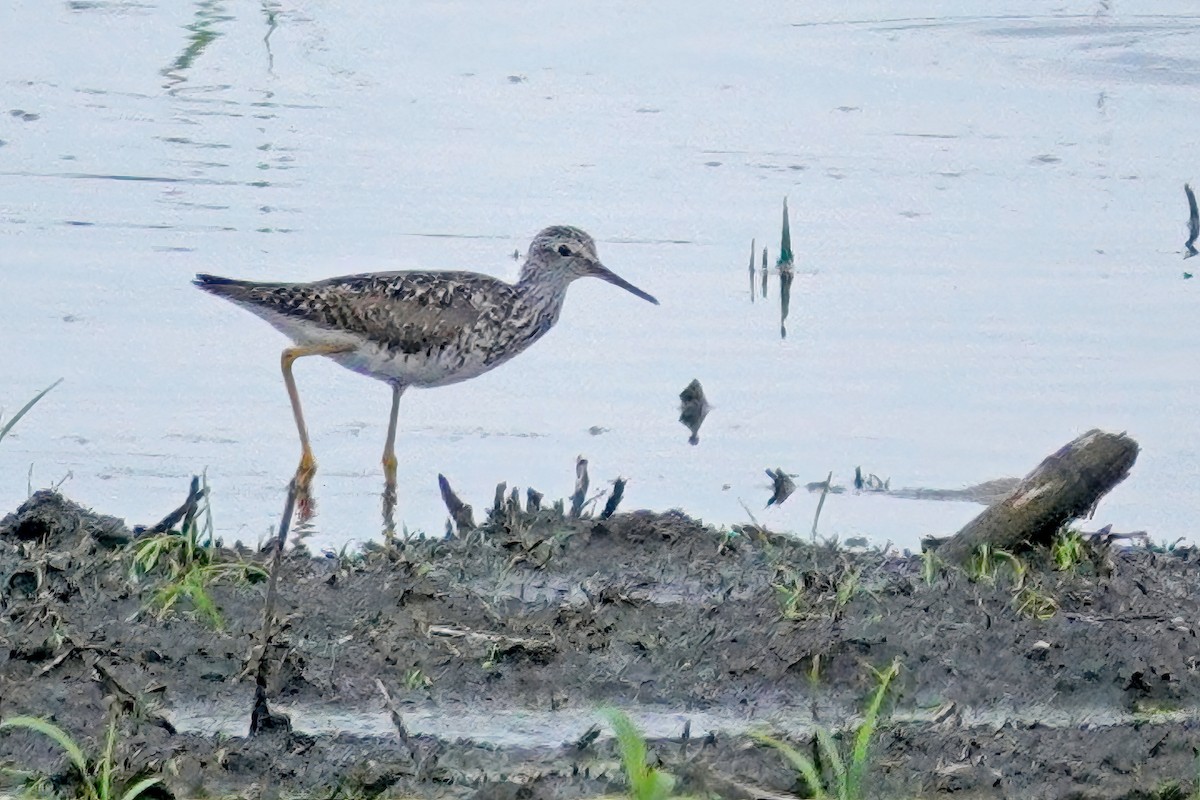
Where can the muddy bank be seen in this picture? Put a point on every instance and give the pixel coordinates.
(499, 648)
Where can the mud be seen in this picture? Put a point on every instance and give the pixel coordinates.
(499, 650)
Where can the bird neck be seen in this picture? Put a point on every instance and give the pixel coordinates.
(542, 295)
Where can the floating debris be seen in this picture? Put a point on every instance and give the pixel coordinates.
(825, 486)
(693, 408)
(784, 486)
(1193, 223)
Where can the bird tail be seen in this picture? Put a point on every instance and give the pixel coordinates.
(224, 287)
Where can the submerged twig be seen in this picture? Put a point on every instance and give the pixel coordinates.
(785, 245)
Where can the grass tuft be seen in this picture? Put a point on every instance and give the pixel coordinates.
(840, 779)
(645, 782)
(192, 561)
(96, 777)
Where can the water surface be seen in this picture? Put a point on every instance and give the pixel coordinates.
(987, 212)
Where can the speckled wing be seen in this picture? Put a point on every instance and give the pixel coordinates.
(406, 312)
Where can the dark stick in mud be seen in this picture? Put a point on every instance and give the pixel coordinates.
(498, 500)
(261, 718)
(182, 514)
(533, 499)
(614, 499)
(581, 487)
(397, 720)
(462, 513)
(821, 503)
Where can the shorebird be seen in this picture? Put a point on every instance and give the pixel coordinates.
(417, 329)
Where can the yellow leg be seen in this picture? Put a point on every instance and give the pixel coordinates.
(389, 467)
(308, 464)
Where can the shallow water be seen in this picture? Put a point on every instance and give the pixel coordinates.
(526, 728)
(987, 213)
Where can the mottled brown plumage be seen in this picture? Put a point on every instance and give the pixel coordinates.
(419, 328)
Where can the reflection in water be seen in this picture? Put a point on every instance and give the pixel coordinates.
(271, 11)
(203, 30)
(752, 249)
(786, 274)
(693, 408)
(1193, 223)
(764, 274)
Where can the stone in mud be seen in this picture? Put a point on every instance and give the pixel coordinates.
(52, 520)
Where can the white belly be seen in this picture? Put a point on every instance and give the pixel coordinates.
(367, 357)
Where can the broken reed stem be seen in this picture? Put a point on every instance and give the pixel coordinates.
(821, 504)
(260, 715)
(581, 487)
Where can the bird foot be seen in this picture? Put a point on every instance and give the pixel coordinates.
(305, 502)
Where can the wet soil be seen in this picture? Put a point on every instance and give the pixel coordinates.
(499, 649)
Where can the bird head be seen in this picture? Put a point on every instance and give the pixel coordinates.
(567, 253)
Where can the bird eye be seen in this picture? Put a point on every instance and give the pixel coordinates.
(563, 250)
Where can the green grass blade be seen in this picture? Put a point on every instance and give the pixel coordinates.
(799, 762)
(8, 426)
(57, 735)
(106, 764)
(145, 783)
(829, 751)
(862, 741)
(633, 752)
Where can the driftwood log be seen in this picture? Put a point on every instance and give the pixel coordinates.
(1067, 485)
